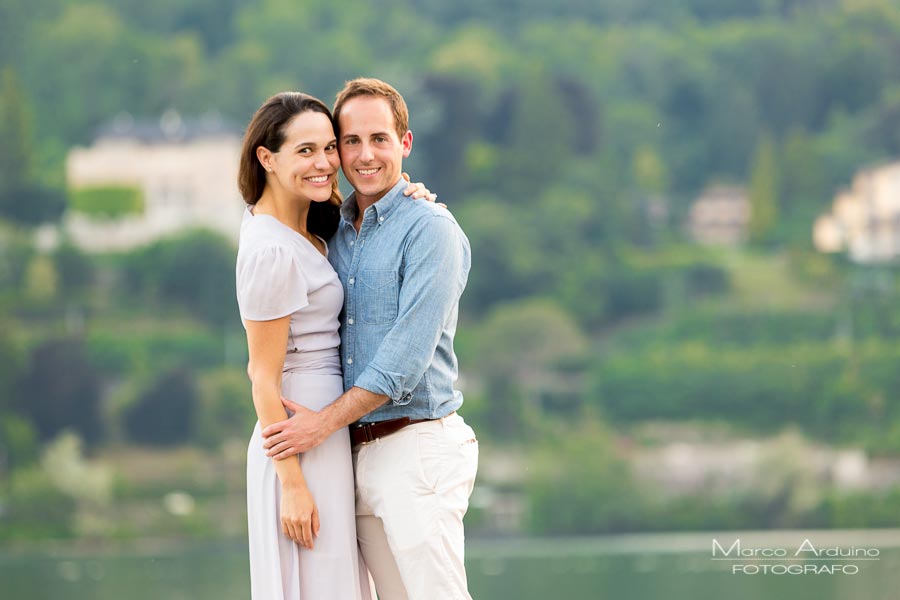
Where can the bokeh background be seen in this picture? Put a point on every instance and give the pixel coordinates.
(683, 312)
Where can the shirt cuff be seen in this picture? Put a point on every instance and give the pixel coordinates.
(386, 384)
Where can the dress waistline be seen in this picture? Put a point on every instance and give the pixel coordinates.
(320, 362)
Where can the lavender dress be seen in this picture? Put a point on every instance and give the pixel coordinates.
(280, 273)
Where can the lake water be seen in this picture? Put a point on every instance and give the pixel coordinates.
(645, 567)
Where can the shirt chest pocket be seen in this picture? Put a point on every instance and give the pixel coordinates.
(380, 296)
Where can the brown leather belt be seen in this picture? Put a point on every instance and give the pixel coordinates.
(362, 433)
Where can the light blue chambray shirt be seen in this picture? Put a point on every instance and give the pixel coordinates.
(403, 276)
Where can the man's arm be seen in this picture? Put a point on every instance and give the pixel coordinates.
(434, 275)
(308, 428)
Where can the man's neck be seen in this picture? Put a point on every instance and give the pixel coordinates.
(364, 202)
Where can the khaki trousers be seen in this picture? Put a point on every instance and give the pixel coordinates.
(412, 491)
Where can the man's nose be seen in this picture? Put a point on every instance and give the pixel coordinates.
(365, 153)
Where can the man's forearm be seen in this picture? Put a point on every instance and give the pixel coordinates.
(353, 404)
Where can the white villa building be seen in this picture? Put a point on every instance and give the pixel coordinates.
(720, 216)
(865, 220)
(185, 170)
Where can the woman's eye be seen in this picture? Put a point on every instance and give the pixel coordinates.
(303, 151)
(330, 147)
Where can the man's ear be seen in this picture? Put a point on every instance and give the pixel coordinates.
(406, 142)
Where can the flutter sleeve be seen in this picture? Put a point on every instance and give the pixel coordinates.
(270, 283)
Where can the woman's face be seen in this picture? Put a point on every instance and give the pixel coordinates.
(307, 163)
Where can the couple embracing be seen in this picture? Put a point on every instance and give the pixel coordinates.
(359, 464)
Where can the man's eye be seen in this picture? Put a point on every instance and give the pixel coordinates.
(381, 139)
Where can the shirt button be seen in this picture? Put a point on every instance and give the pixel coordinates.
(350, 321)
(352, 279)
(381, 219)
(349, 361)
(351, 243)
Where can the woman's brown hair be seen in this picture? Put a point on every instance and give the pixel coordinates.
(266, 129)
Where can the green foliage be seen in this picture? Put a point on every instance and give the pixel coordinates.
(107, 201)
(24, 197)
(804, 181)
(35, 508)
(16, 153)
(12, 358)
(763, 191)
(650, 171)
(225, 408)
(142, 351)
(151, 72)
(524, 355)
(75, 270)
(194, 270)
(578, 484)
(166, 413)
(862, 509)
(60, 389)
(829, 390)
(18, 442)
(41, 280)
(32, 204)
(539, 137)
(16, 251)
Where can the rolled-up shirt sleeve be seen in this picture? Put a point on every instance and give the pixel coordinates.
(435, 267)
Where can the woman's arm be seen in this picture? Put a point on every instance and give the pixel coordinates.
(267, 343)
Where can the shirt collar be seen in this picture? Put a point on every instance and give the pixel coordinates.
(383, 208)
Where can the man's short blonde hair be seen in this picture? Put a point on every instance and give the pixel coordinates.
(366, 86)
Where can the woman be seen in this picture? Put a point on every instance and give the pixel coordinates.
(289, 299)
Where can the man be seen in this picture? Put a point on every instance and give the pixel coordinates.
(403, 266)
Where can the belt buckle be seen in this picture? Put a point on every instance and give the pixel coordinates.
(366, 428)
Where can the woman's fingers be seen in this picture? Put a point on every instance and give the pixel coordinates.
(306, 533)
(301, 531)
(315, 522)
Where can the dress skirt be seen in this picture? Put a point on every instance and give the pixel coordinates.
(280, 569)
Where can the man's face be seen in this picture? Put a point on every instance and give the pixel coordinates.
(371, 153)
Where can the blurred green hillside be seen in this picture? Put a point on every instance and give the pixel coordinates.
(554, 131)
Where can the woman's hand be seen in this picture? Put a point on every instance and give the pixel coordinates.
(419, 191)
(299, 515)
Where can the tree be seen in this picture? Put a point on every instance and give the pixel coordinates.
(804, 183)
(61, 389)
(527, 355)
(194, 269)
(74, 267)
(17, 436)
(583, 485)
(16, 151)
(225, 406)
(764, 191)
(540, 138)
(166, 412)
(22, 197)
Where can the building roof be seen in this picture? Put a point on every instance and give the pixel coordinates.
(170, 127)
